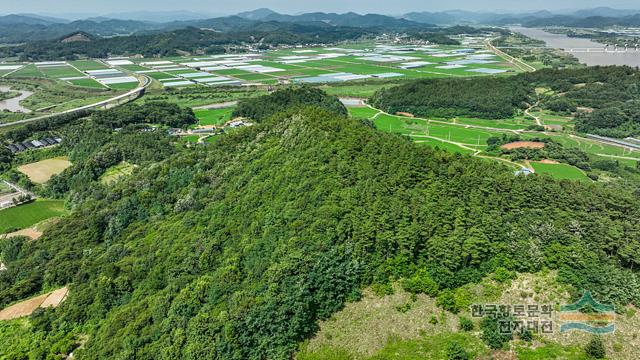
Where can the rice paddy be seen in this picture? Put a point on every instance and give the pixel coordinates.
(469, 136)
(27, 215)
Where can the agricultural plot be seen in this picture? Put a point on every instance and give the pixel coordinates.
(27, 215)
(124, 86)
(7, 69)
(29, 71)
(40, 172)
(420, 128)
(328, 65)
(84, 65)
(213, 116)
(559, 171)
(516, 123)
(86, 82)
(60, 72)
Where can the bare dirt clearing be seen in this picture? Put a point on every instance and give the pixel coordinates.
(31, 233)
(27, 307)
(40, 172)
(523, 145)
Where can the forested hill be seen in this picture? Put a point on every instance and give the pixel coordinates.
(235, 250)
(603, 99)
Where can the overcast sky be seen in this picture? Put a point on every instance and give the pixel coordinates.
(296, 6)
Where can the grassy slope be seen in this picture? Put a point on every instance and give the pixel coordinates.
(560, 171)
(381, 327)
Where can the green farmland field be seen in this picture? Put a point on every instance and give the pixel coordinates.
(23, 216)
(88, 65)
(124, 86)
(27, 71)
(90, 83)
(58, 72)
(560, 171)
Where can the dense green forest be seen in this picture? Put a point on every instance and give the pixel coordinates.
(235, 249)
(487, 97)
(605, 99)
(264, 107)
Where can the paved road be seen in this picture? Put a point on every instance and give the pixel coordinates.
(517, 62)
(114, 99)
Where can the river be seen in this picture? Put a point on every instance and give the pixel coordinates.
(13, 104)
(596, 55)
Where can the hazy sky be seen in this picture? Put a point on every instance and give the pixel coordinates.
(295, 6)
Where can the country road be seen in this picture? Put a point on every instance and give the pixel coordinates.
(537, 119)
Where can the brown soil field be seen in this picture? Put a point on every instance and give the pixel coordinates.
(40, 172)
(402, 113)
(21, 309)
(548, 161)
(523, 144)
(27, 307)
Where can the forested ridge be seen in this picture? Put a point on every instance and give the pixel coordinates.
(236, 249)
(191, 40)
(604, 99)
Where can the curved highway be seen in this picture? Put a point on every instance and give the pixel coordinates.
(129, 94)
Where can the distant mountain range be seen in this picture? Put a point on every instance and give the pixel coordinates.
(19, 28)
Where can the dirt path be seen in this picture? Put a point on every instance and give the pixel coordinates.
(527, 112)
(31, 233)
(476, 152)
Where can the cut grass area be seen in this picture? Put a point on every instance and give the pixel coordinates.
(27, 215)
(88, 82)
(516, 123)
(115, 173)
(362, 112)
(40, 172)
(213, 116)
(560, 171)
